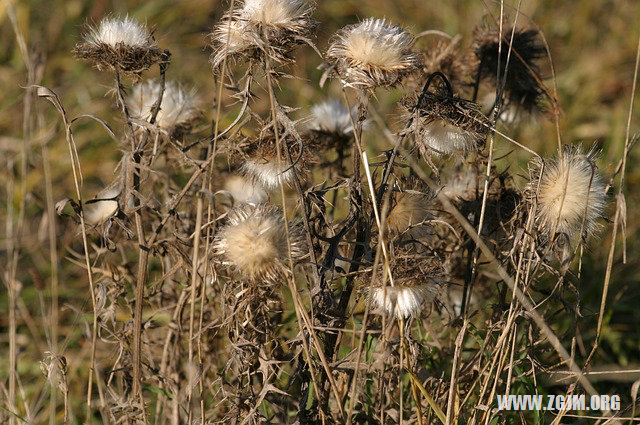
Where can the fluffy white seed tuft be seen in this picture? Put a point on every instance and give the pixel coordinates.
(244, 191)
(254, 242)
(114, 31)
(402, 302)
(179, 107)
(571, 195)
(267, 172)
(274, 12)
(441, 138)
(331, 117)
(373, 53)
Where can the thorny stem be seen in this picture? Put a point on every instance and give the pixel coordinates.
(388, 168)
(298, 306)
(143, 248)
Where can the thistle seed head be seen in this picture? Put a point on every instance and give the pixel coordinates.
(523, 87)
(244, 191)
(121, 44)
(254, 242)
(418, 283)
(410, 209)
(569, 191)
(262, 164)
(372, 53)
(178, 110)
(445, 124)
(332, 117)
(260, 28)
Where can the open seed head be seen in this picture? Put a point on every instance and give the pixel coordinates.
(410, 209)
(417, 284)
(372, 53)
(524, 49)
(569, 192)
(114, 31)
(119, 43)
(331, 117)
(178, 110)
(254, 242)
(277, 13)
(266, 169)
(446, 125)
(244, 191)
(260, 28)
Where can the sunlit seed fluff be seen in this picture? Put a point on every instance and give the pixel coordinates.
(254, 242)
(99, 211)
(113, 31)
(402, 302)
(462, 185)
(418, 281)
(570, 192)
(121, 44)
(230, 38)
(259, 28)
(178, 110)
(442, 138)
(268, 172)
(331, 117)
(372, 53)
(411, 209)
(445, 124)
(244, 191)
(274, 12)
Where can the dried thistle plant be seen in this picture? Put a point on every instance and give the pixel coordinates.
(254, 242)
(179, 108)
(443, 123)
(121, 44)
(522, 79)
(261, 162)
(262, 28)
(373, 53)
(417, 282)
(569, 194)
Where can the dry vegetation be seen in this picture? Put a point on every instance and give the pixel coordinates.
(286, 212)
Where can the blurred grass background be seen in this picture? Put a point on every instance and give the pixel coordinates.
(592, 42)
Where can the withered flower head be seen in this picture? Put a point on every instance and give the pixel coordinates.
(262, 165)
(254, 242)
(443, 123)
(330, 125)
(570, 193)
(244, 191)
(410, 208)
(418, 282)
(447, 57)
(523, 87)
(461, 185)
(119, 43)
(372, 53)
(259, 28)
(178, 110)
(331, 117)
